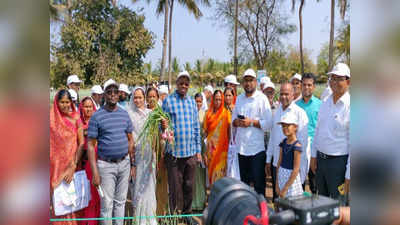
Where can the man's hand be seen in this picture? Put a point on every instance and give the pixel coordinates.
(268, 169)
(133, 172)
(164, 124)
(96, 179)
(198, 157)
(313, 165)
(242, 122)
(346, 186)
(283, 192)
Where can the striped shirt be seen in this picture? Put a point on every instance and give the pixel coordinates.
(185, 122)
(110, 129)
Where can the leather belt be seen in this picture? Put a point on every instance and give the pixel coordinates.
(117, 160)
(325, 156)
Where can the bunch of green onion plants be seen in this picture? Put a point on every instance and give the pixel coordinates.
(151, 132)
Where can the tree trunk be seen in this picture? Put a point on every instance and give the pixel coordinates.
(235, 59)
(164, 42)
(301, 35)
(332, 33)
(170, 46)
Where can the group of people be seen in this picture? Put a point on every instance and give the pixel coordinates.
(217, 133)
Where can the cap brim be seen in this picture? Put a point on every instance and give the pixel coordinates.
(184, 75)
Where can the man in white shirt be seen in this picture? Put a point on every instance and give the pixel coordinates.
(296, 82)
(74, 83)
(277, 136)
(97, 95)
(207, 93)
(330, 149)
(252, 117)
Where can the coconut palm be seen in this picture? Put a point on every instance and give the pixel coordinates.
(301, 30)
(343, 6)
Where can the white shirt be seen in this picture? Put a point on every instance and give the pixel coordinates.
(325, 94)
(332, 134)
(204, 107)
(277, 137)
(250, 140)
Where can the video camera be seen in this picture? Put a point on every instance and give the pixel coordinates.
(232, 202)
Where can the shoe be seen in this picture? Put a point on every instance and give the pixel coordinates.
(190, 221)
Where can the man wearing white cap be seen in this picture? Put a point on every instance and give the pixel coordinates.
(330, 149)
(231, 81)
(163, 92)
(181, 157)
(263, 81)
(207, 94)
(73, 82)
(268, 88)
(111, 128)
(123, 95)
(296, 83)
(74, 97)
(286, 105)
(252, 117)
(97, 95)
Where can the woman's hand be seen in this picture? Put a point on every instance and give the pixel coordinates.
(283, 193)
(69, 174)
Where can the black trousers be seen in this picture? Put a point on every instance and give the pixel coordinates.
(330, 175)
(252, 170)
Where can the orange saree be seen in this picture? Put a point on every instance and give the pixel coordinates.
(63, 147)
(217, 125)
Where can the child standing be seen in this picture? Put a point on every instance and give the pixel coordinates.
(288, 179)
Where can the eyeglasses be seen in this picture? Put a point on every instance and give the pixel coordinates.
(337, 79)
(112, 91)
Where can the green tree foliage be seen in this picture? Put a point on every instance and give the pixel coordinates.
(100, 41)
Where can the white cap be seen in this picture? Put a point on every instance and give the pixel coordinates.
(183, 74)
(265, 80)
(231, 79)
(124, 88)
(288, 118)
(73, 79)
(296, 76)
(209, 88)
(73, 94)
(163, 89)
(340, 69)
(250, 72)
(268, 84)
(96, 89)
(109, 82)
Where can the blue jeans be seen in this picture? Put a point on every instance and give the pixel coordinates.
(114, 182)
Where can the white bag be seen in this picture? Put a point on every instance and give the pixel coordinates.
(68, 198)
(233, 161)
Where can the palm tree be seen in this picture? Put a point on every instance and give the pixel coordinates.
(301, 30)
(343, 5)
(162, 7)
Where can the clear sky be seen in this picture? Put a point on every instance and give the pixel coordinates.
(192, 38)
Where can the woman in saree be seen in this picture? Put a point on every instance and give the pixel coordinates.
(87, 108)
(144, 184)
(217, 126)
(199, 192)
(66, 143)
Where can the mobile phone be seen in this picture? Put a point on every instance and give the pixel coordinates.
(241, 117)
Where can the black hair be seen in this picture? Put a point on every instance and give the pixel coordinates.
(62, 93)
(309, 76)
(152, 89)
(229, 89)
(216, 92)
(198, 95)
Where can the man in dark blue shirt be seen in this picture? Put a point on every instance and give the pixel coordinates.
(111, 128)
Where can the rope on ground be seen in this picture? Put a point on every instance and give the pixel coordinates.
(127, 218)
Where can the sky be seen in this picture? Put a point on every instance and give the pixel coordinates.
(196, 39)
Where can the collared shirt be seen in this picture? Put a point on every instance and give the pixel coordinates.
(185, 122)
(332, 133)
(110, 129)
(97, 106)
(277, 135)
(250, 140)
(312, 109)
(325, 94)
(204, 107)
(123, 104)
